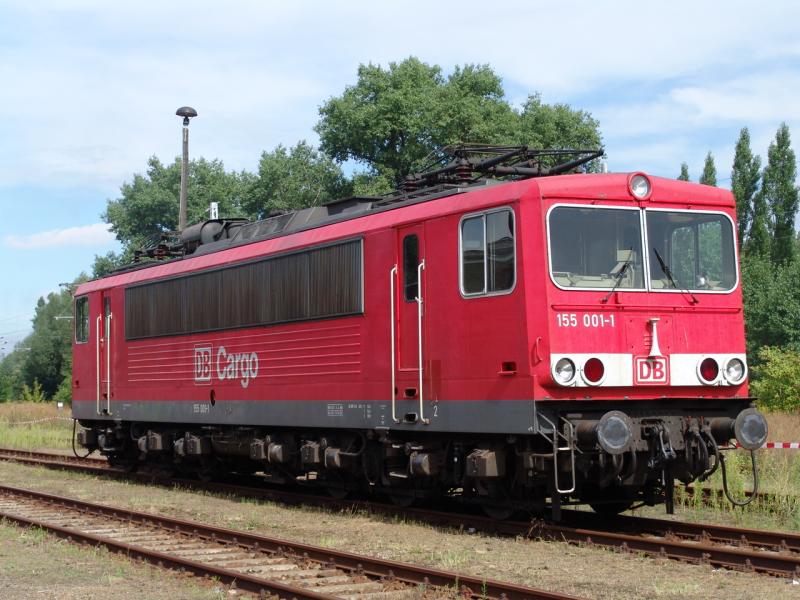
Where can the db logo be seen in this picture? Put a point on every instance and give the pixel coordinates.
(650, 370)
(202, 364)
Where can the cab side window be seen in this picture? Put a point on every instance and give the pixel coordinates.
(410, 272)
(82, 320)
(488, 253)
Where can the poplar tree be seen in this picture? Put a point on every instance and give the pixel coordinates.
(684, 176)
(759, 240)
(745, 175)
(780, 194)
(709, 176)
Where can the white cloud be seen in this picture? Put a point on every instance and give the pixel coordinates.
(90, 86)
(97, 234)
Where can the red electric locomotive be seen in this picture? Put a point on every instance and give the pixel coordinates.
(511, 342)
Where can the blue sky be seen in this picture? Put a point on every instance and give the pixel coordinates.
(89, 91)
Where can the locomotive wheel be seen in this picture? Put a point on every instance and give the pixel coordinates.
(337, 493)
(494, 495)
(611, 509)
(400, 499)
(126, 463)
(498, 513)
(611, 502)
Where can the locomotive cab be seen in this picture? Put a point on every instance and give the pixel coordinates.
(645, 318)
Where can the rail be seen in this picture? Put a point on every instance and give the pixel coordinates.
(772, 553)
(256, 563)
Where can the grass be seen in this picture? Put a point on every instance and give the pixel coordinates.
(779, 477)
(52, 427)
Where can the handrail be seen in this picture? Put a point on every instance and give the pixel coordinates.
(393, 349)
(97, 359)
(420, 268)
(569, 439)
(108, 364)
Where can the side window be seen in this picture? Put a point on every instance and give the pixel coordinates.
(488, 261)
(410, 263)
(82, 320)
(500, 251)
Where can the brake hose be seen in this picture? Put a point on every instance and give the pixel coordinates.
(74, 451)
(725, 481)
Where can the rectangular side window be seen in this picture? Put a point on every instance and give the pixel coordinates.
(473, 250)
(410, 264)
(500, 251)
(82, 320)
(488, 257)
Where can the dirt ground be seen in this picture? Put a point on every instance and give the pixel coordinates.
(582, 571)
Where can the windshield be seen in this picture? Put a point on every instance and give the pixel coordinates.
(596, 247)
(697, 250)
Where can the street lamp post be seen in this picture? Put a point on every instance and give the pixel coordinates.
(187, 112)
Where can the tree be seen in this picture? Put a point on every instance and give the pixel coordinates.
(684, 176)
(149, 204)
(776, 381)
(771, 303)
(50, 343)
(395, 120)
(11, 376)
(744, 182)
(759, 238)
(103, 265)
(542, 125)
(41, 364)
(709, 175)
(291, 179)
(780, 195)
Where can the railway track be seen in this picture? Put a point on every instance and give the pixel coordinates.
(253, 563)
(774, 553)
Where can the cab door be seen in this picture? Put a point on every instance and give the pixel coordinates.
(409, 338)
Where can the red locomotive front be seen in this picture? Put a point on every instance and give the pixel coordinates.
(572, 338)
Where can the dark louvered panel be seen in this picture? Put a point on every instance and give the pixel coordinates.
(312, 284)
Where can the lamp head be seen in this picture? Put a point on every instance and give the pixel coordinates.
(187, 112)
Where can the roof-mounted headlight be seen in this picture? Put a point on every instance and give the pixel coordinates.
(639, 186)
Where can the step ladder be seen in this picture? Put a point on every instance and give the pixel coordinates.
(561, 442)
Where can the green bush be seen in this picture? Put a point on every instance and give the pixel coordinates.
(776, 379)
(32, 393)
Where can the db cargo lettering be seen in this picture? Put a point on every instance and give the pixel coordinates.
(242, 366)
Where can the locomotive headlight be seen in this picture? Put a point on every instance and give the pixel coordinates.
(750, 429)
(564, 371)
(639, 186)
(614, 432)
(734, 371)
